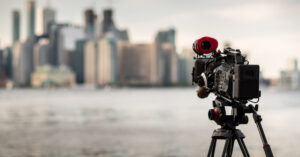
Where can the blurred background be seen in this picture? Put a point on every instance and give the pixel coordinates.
(112, 78)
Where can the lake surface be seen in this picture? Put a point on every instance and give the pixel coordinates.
(166, 122)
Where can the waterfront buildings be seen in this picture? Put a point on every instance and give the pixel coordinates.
(98, 53)
(48, 76)
(290, 78)
(100, 61)
(137, 64)
(41, 53)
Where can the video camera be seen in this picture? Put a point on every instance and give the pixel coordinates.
(227, 74)
(234, 81)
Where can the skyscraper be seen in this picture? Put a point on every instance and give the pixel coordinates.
(90, 19)
(21, 64)
(108, 28)
(168, 63)
(137, 64)
(41, 53)
(185, 65)
(108, 23)
(48, 17)
(30, 9)
(79, 60)
(290, 78)
(2, 73)
(167, 56)
(7, 54)
(90, 62)
(66, 40)
(166, 36)
(107, 62)
(16, 25)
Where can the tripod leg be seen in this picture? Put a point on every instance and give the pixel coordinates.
(257, 118)
(226, 146)
(243, 147)
(230, 148)
(212, 147)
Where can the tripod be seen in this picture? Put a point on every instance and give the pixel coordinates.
(230, 135)
(228, 130)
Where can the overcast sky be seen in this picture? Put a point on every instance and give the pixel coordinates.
(268, 30)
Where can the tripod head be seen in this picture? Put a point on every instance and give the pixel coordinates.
(228, 120)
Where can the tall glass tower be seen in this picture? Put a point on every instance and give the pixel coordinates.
(30, 9)
(48, 18)
(16, 26)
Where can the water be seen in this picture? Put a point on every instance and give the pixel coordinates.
(133, 123)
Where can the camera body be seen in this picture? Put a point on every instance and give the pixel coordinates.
(227, 74)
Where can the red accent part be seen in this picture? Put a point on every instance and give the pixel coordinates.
(216, 114)
(213, 45)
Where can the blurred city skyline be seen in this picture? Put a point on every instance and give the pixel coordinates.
(260, 28)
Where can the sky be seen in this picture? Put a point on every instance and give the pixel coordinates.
(267, 30)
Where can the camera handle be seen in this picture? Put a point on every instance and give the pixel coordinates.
(257, 119)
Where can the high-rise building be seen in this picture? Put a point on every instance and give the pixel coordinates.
(7, 61)
(167, 57)
(30, 9)
(100, 61)
(79, 60)
(108, 28)
(185, 64)
(108, 23)
(90, 21)
(48, 18)
(41, 53)
(137, 64)
(90, 62)
(168, 63)
(16, 26)
(54, 32)
(166, 36)
(67, 37)
(107, 62)
(2, 72)
(290, 78)
(22, 62)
